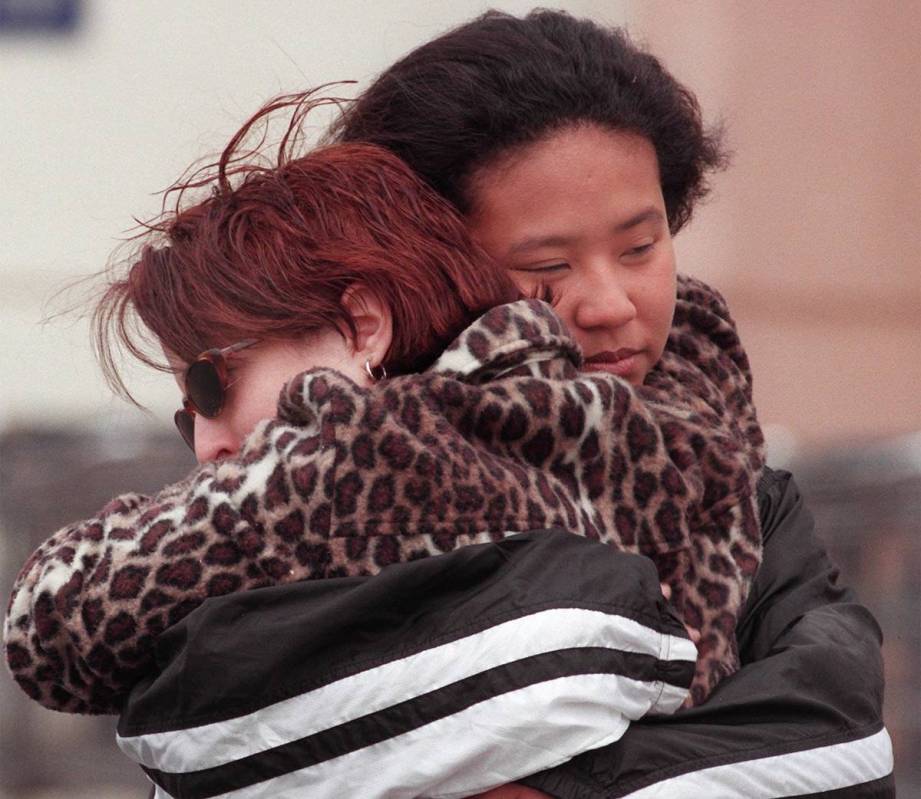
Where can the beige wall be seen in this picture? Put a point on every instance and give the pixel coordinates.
(814, 234)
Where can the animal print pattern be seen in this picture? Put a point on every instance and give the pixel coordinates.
(503, 434)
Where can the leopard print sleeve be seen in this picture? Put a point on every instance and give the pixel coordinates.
(701, 393)
(87, 605)
(704, 346)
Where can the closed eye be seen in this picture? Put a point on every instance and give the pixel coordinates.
(642, 249)
(541, 270)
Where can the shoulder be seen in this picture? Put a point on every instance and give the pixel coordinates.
(782, 509)
(776, 486)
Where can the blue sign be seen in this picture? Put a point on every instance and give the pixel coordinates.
(39, 16)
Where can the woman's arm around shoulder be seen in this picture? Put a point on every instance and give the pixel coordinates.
(88, 605)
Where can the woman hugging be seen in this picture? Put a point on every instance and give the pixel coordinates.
(480, 352)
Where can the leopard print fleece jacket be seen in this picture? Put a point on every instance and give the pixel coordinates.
(503, 434)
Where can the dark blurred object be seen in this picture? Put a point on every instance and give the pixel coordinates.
(866, 500)
(867, 503)
(40, 16)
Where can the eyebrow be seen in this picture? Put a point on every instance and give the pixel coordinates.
(650, 214)
(536, 242)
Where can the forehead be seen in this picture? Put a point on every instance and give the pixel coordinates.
(571, 179)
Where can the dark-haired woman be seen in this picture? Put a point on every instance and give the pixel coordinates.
(436, 678)
(531, 128)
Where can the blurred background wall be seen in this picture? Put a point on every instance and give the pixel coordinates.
(814, 235)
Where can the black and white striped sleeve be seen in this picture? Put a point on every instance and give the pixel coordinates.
(801, 718)
(439, 678)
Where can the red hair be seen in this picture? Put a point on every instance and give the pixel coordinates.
(271, 250)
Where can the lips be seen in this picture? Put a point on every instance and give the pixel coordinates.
(622, 362)
(607, 356)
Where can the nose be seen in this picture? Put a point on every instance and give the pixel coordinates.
(214, 440)
(600, 299)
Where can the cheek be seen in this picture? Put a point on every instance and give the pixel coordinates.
(662, 287)
(660, 306)
(252, 402)
(265, 404)
(247, 414)
(566, 299)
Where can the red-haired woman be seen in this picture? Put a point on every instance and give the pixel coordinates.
(343, 263)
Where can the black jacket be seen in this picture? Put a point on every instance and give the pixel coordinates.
(811, 681)
(245, 700)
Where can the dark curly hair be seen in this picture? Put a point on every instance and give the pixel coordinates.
(457, 104)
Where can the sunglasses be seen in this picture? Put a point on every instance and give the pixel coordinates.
(206, 388)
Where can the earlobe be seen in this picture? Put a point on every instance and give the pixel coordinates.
(373, 323)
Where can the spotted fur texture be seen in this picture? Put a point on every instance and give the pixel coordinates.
(502, 434)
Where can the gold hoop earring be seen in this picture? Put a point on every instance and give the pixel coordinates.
(370, 370)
